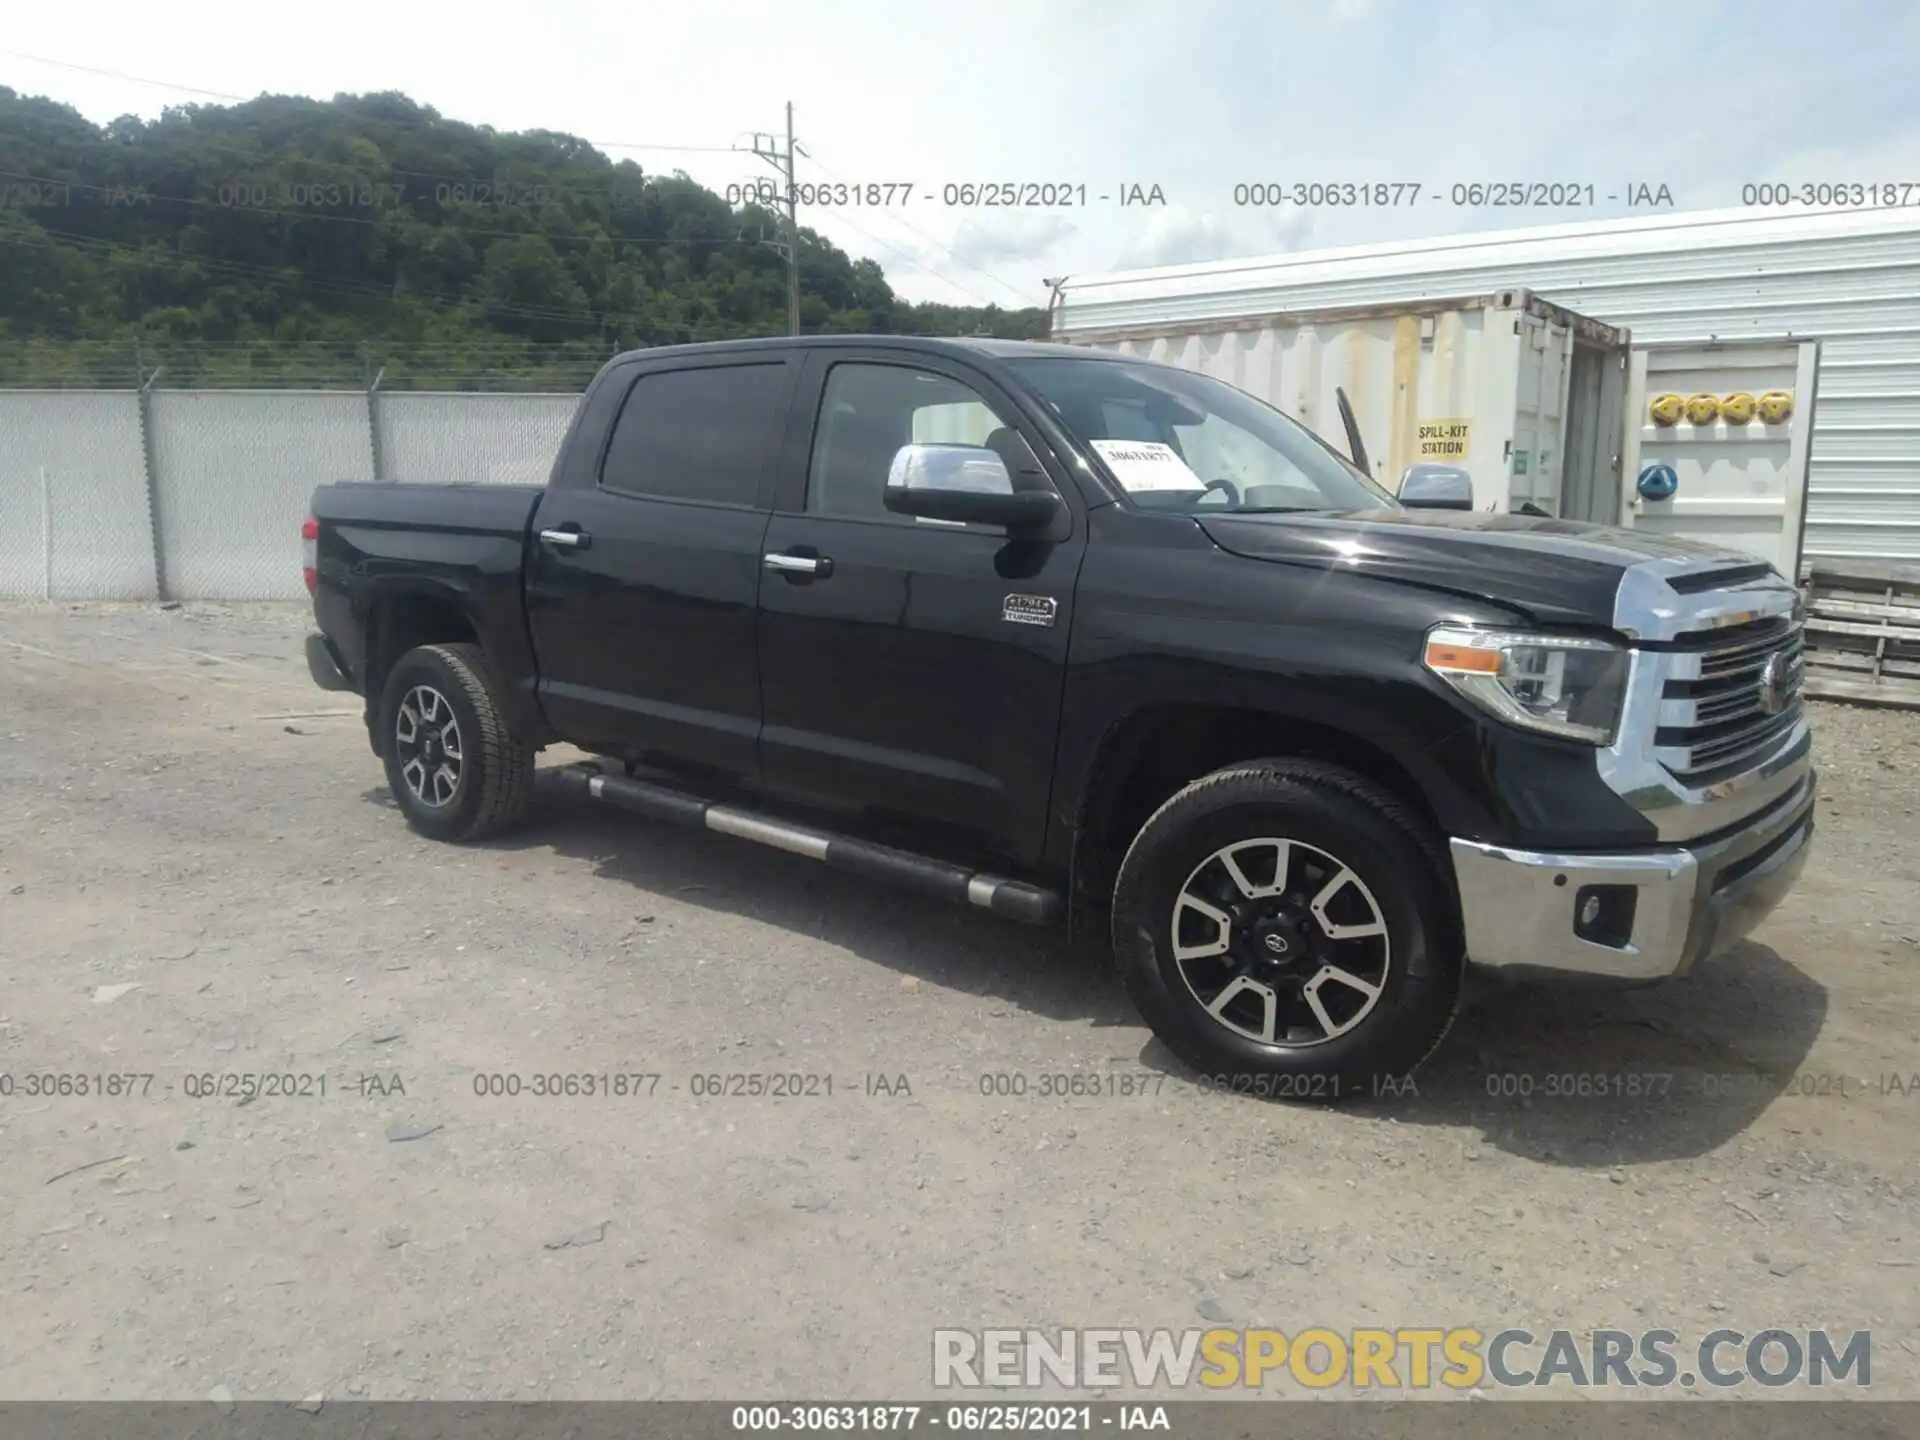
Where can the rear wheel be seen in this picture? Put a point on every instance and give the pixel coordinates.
(1285, 926)
(453, 763)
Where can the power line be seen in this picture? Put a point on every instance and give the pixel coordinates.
(767, 148)
(286, 277)
(119, 75)
(360, 170)
(614, 240)
(649, 145)
(938, 244)
(56, 240)
(481, 342)
(913, 262)
(769, 152)
(601, 144)
(136, 194)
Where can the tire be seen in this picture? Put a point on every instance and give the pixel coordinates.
(492, 774)
(1264, 1039)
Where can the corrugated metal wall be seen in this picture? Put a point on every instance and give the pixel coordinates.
(1397, 370)
(1848, 279)
(1298, 368)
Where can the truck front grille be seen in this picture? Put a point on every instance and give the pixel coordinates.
(1731, 698)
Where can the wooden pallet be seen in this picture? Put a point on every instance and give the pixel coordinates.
(1863, 632)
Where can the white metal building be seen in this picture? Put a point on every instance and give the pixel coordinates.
(1849, 279)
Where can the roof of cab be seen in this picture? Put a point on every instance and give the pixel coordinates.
(964, 345)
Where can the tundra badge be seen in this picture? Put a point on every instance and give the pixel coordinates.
(1029, 609)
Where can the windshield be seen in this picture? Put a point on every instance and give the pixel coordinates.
(1184, 442)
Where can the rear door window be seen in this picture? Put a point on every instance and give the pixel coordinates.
(704, 435)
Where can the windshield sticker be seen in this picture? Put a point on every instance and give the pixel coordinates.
(1147, 465)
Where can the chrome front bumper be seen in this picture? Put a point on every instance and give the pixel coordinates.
(1658, 912)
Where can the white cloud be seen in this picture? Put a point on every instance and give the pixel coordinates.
(1178, 236)
(1021, 237)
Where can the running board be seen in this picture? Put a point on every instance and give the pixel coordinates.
(1010, 899)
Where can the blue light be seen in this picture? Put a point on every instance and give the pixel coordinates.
(1658, 482)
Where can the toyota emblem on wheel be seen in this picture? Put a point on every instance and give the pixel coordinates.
(1277, 944)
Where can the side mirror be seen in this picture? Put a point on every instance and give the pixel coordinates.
(968, 483)
(1426, 486)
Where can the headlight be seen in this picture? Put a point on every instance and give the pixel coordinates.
(1558, 684)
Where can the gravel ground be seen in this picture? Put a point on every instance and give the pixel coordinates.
(200, 874)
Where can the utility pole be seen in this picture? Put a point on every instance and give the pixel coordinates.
(767, 147)
(1055, 284)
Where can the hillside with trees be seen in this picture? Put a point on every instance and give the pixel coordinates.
(286, 240)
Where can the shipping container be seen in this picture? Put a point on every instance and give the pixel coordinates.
(1731, 427)
(1524, 395)
(1847, 279)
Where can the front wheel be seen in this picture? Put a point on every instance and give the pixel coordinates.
(453, 762)
(1285, 925)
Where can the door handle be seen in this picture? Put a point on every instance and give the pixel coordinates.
(567, 539)
(800, 564)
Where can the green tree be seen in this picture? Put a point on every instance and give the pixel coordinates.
(306, 241)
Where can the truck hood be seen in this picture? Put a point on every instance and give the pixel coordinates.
(1560, 572)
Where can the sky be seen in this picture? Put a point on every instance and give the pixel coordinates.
(1194, 99)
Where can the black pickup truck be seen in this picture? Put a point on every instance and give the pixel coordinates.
(1068, 635)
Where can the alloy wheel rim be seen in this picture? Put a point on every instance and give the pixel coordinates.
(1281, 942)
(427, 743)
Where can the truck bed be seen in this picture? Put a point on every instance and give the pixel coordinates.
(498, 510)
(462, 546)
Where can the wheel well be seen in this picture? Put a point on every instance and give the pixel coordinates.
(398, 624)
(1152, 754)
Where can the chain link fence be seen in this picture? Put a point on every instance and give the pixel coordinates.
(75, 516)
(197, 494)
(470, 439)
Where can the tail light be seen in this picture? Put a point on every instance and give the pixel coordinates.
(310, 553)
